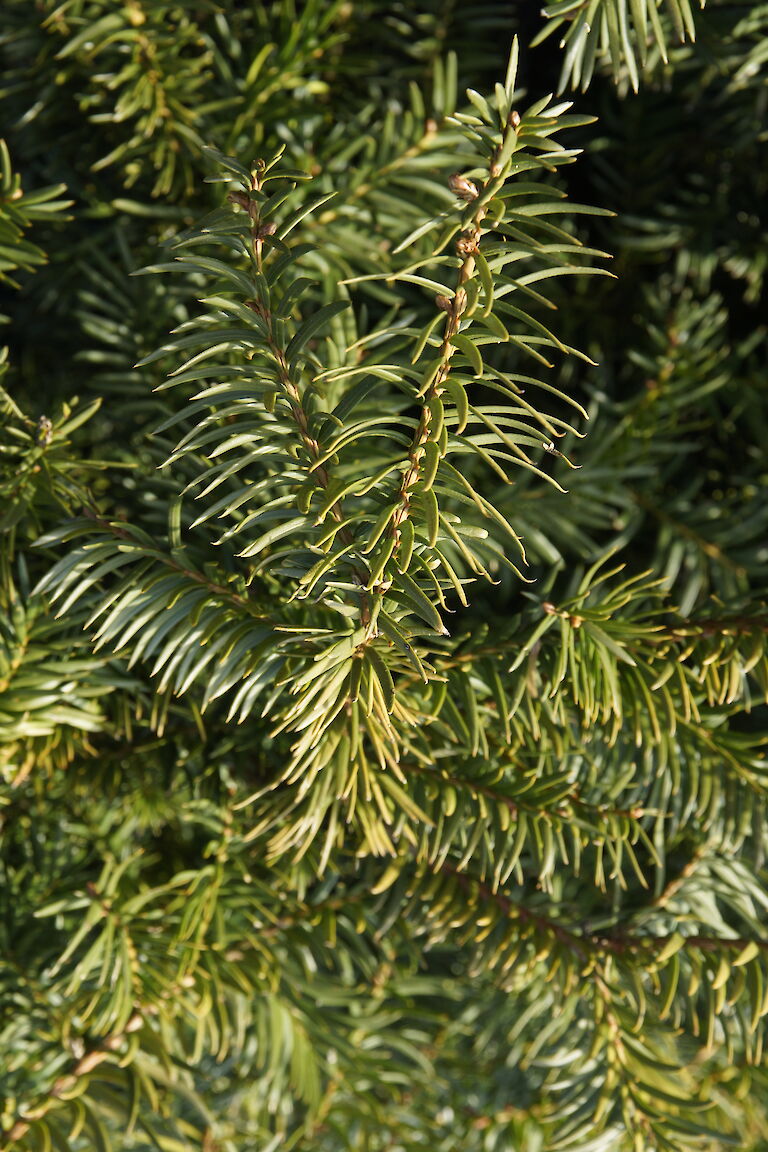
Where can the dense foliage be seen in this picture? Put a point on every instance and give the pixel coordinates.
(383, 653)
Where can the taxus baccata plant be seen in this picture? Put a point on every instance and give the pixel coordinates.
(383, 635)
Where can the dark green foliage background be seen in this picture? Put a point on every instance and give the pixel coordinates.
(511, 893)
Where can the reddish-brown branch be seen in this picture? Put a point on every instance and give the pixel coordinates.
(586, 943)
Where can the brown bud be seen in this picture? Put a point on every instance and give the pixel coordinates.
(514, 120)
(266, 230)
(243, 200)
(466, 243)
(463, 188)
(453, 305)
(240, 198)
(44, 433)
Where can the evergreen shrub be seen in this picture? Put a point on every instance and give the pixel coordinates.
(383, 541)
